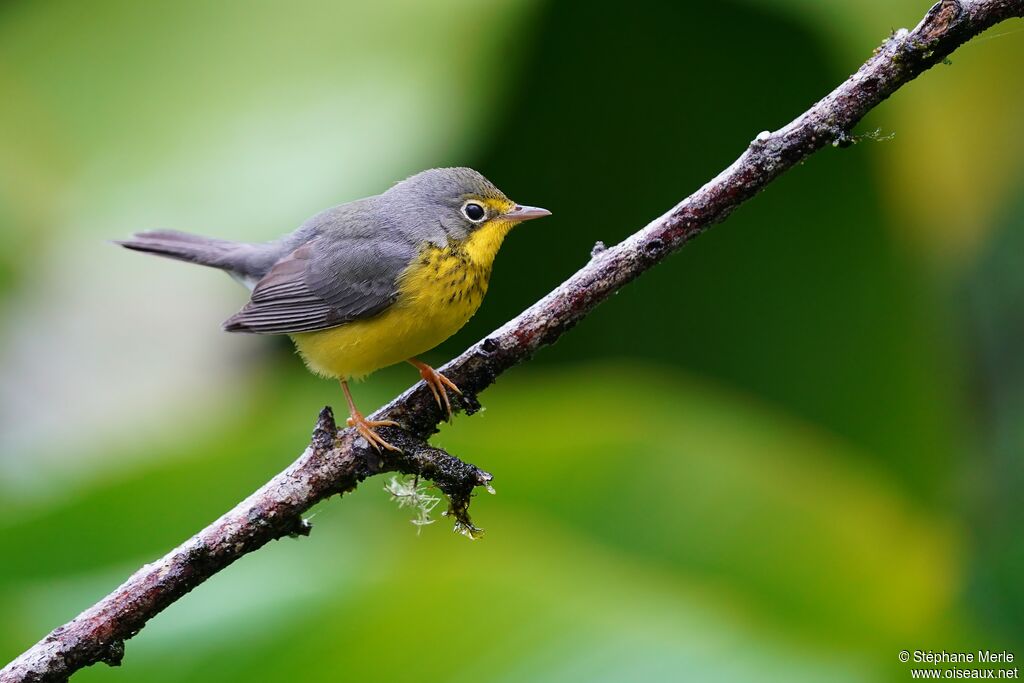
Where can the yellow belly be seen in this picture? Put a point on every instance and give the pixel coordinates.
(437, 296)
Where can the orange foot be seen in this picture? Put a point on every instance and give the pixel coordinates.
(438, 383)
(366, 427)
(366, 430)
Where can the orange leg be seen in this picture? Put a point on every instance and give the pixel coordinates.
(438, 383)
(366, 427)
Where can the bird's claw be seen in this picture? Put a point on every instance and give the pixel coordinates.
(439, 385)
(366, 429)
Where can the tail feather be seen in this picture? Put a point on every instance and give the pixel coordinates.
(184, 246)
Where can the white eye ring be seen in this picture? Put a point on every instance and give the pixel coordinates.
(466, 211)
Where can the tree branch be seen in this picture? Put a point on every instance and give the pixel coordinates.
(335, 462)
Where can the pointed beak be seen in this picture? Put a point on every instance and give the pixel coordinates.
(525, 213)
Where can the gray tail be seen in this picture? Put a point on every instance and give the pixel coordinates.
(183, 246)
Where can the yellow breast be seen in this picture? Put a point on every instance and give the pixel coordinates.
(438, 293)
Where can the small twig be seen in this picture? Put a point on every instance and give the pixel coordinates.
(328, 467)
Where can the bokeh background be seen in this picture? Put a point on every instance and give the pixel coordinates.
(789, 452)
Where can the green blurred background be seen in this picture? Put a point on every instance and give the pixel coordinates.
(786, 454)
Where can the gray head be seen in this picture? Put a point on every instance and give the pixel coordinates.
(458, 200)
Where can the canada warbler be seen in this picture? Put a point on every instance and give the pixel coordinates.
(370, 283)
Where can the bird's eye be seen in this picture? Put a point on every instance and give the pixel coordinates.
(474, 211)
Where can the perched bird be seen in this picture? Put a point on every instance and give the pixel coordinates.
(370, 283)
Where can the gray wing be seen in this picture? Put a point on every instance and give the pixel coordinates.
(328, 281)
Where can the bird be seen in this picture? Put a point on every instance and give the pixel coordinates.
(369, 283)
